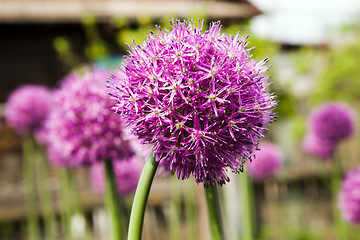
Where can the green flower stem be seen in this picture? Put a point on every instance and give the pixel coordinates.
(75, 201)
(30, 195)
(140, 198)
(214, 213)
(45, 196)
(114, 204)
(340, 225)
(247, 210)
(175, 208)
(190, 211)
(66, 208)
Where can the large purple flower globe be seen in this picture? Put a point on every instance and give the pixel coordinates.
(127, 174)
(197, 96)
(82, 128)
(349, 198)
(27, 108)
(318, 147)
(268, 161)
(332, 121)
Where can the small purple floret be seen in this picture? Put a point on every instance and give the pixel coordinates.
(27, 108)
(82, 129)
(332, 121)
(268, 161)
(197, 96)
(349, 198)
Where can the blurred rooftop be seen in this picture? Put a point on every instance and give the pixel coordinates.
(60, 11)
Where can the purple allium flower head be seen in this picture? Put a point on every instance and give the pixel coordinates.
(197, 96)
(127, 174)
(268, 160)
(349, 197)
(332, 121)
(27, 108)
(82, 129)
(318, 147)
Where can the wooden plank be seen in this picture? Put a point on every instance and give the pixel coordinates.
(13, 208)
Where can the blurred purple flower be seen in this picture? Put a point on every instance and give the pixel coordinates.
(27, 108)
(127, 174)
(318, 147)
(332, 121)
(268, 160)
(81, 128)
(197, 96)
(349, 197)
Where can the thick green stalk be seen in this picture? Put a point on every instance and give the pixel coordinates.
(214, 212)
(113, 203)
(140, 198)
(75, 201)
(66, 208)
(30, 195)
(70, 203)
(45, 196)
(190, 211)
(340, 225)
(247, 208)
(175, 208)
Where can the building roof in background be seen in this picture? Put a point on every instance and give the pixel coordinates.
(60, 11)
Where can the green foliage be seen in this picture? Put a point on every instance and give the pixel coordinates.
(340, 80)
(96, 47)
(304, 59)
(286, 101)
(291, 233)
(119, 22)
(6, 228)
(62, 46)
(127, 34)
(302, 234)
(298, 127)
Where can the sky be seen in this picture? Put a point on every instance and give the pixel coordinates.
(303, 21)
